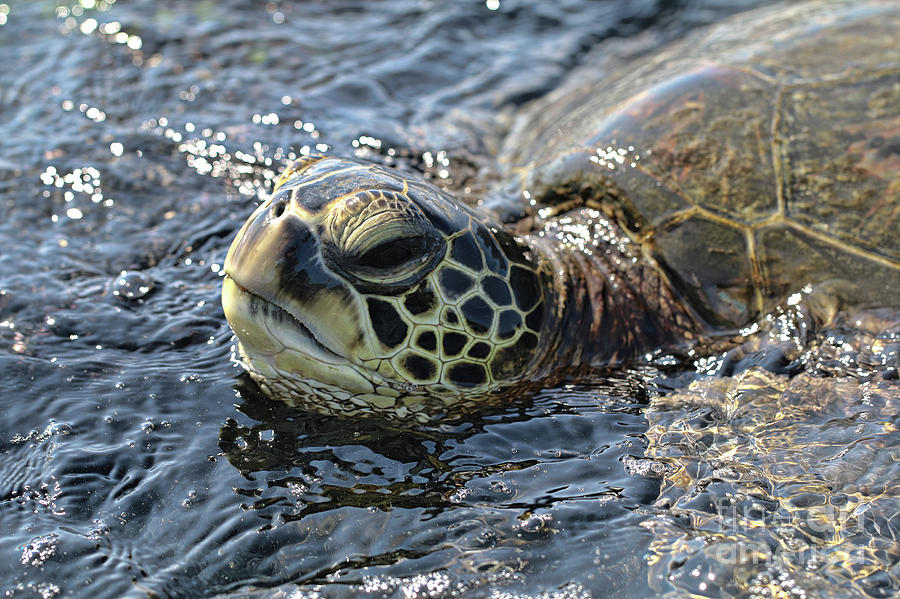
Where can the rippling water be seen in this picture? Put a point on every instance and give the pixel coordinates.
(137, 460)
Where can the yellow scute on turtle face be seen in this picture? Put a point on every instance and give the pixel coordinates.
(340, 374)
(335, 320)
(252, 331)
(266, 346)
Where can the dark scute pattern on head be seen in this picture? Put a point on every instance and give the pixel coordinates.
(454, 283)
(300, 273)
(387, 324)
(536, 318)
(453, 343)
(355, 177)
(494, 257)
(419, 301)
(509, 322)
(528, 341)
(468, 375)
(451, 316)
(510, 362)
(427, 340)
(525, 285)
(479, 350)
(514, 251)
(478, 314)
(465, 251)
(497, 289)
(421, 368)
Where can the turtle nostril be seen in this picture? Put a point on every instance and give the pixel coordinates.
(278, 208)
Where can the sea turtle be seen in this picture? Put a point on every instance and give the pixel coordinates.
(686, 191)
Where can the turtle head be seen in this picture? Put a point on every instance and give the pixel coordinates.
(354, 289)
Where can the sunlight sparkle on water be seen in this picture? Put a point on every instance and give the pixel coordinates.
(266, 119)
(249, 171)
(90, 26)
(39, 549)
(368, 141)
(80, 182)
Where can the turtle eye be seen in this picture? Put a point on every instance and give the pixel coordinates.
(380, 239)
(393, 253)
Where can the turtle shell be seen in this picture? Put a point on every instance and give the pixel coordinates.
(749, 161)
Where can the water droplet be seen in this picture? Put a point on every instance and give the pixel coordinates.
(60, 429)
(132, 285)
(536, 524)
(498, 486)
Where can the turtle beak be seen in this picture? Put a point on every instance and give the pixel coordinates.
(274, 247)
(275, 259)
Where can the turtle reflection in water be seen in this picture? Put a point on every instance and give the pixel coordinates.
(689, 192)
(683, 194)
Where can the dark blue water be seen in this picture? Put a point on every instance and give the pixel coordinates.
(136, 460)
